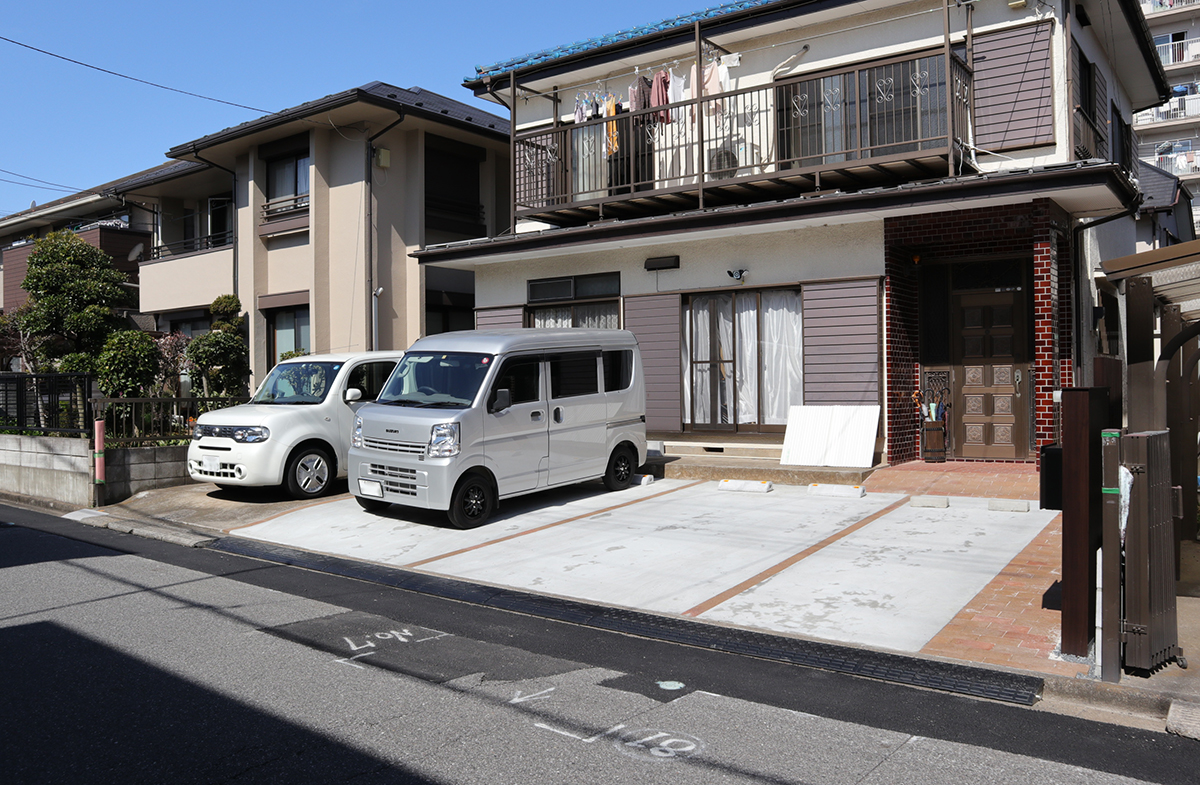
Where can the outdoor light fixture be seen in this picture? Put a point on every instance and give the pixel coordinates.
(738, 275)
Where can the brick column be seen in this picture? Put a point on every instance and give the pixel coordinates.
(1046, 376)
(903, 372)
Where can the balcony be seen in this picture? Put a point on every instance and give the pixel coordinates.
(1179, 53)
(1158, 6)
(284, 215)
(193, 245)
(1175, 156)
(1181, 108)
(878, 124)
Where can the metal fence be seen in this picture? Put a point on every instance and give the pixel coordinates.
(134, 421)
(45, 403)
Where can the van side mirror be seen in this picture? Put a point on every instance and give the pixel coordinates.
(353, 394)
(502, 400)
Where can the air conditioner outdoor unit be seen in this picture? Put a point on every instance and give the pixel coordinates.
(723, 163)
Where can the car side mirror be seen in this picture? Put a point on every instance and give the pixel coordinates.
(502, 401)
(353, 394)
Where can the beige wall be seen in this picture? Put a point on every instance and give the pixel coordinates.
(810, 254)
(191, 282)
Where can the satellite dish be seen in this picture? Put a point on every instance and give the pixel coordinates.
(135, 254)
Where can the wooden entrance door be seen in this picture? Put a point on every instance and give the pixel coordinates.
(991, 375)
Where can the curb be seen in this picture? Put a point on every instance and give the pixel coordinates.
(103, 520)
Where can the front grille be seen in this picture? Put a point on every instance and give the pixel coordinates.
(387, 445)
(395, 479)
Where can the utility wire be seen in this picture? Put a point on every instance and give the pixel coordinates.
(133, 78)
(43, 187)
(44, 182)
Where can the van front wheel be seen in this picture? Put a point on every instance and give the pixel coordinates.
(621, 465)
(473, 503)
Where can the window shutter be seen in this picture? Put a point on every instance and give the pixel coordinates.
(1101, 119)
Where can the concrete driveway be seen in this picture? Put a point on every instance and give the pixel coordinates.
(870, 571)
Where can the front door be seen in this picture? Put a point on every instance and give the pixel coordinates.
(992, 387)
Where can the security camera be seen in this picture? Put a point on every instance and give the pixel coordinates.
(737, 275)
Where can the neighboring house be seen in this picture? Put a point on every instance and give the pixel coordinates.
(866, 200)
(1165, 216)
(302, 214)
(1169, 135)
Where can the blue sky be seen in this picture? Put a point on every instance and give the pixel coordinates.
(77, 127)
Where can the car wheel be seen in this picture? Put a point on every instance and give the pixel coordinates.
(309, 473)
(473, 503)
(621, 465)
(372, 505)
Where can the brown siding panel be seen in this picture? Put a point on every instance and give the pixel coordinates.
(16, 264)
(841, 343)
(500, 318)
(1013, 88)
(655, 321)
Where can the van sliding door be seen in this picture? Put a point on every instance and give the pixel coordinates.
(578, 417)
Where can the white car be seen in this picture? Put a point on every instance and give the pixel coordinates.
(296, 430)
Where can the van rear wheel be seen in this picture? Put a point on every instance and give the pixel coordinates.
(621, 465)
(473, 503)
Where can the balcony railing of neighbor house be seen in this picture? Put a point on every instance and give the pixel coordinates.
(880, 123)
(205, 243)
(1155, 6)
(45, 403)
(133, 421)
(1179, 108)
(1177, 52)
(1175, 156)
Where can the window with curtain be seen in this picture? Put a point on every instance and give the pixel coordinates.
(289, 331)
(288, 177)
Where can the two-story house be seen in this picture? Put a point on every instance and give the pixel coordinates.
(310, 216)
(829, 203)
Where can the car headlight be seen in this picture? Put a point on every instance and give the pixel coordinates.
(198, 432)
(251, 434)
(356, 437)
(443, 440)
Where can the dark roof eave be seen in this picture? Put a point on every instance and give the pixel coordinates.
(1109, 174)
(327, 104)
(1132, 11)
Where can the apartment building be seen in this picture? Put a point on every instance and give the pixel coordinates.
(830, 203)
(1169, 134)
(309, 215)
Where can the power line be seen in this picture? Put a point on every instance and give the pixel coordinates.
(133, 78)
(43, 187)
(46, 182)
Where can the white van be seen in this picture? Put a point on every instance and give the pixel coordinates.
(470, 418)
(296, 429)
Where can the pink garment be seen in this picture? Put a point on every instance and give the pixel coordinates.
(660, 95)
(710, 85)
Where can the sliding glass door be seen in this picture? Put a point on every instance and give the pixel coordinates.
(742, 359)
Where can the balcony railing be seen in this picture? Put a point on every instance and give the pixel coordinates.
(1180, 108)
(880, 123)
(1180, 157)
(284, 205)
(205, 243)
(1178, 52)
(1156, 6)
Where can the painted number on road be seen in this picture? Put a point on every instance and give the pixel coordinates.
(647, 743)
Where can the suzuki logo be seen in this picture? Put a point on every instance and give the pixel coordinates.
(391, 430)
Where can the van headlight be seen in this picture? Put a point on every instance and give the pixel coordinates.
(356, 437)
(443, 440)
(251, 434)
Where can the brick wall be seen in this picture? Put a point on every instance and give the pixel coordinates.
(1024, 230)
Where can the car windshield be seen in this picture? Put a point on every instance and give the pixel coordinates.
(436, 380)
(297, 384)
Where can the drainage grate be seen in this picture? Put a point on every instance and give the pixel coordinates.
(885, 666)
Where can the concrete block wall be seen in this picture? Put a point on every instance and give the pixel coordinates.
(57, 470)
(46, 468)
(135, 469)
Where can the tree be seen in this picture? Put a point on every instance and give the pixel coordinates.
(129, 364)
(220, 356)
(73, 289)
(172, 350)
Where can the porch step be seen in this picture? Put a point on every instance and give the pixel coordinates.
(730, 450)
(725, 467)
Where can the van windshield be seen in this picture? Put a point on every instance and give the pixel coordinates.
(297, 383)
(436, 380)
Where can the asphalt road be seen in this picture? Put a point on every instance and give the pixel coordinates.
(130, 660)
